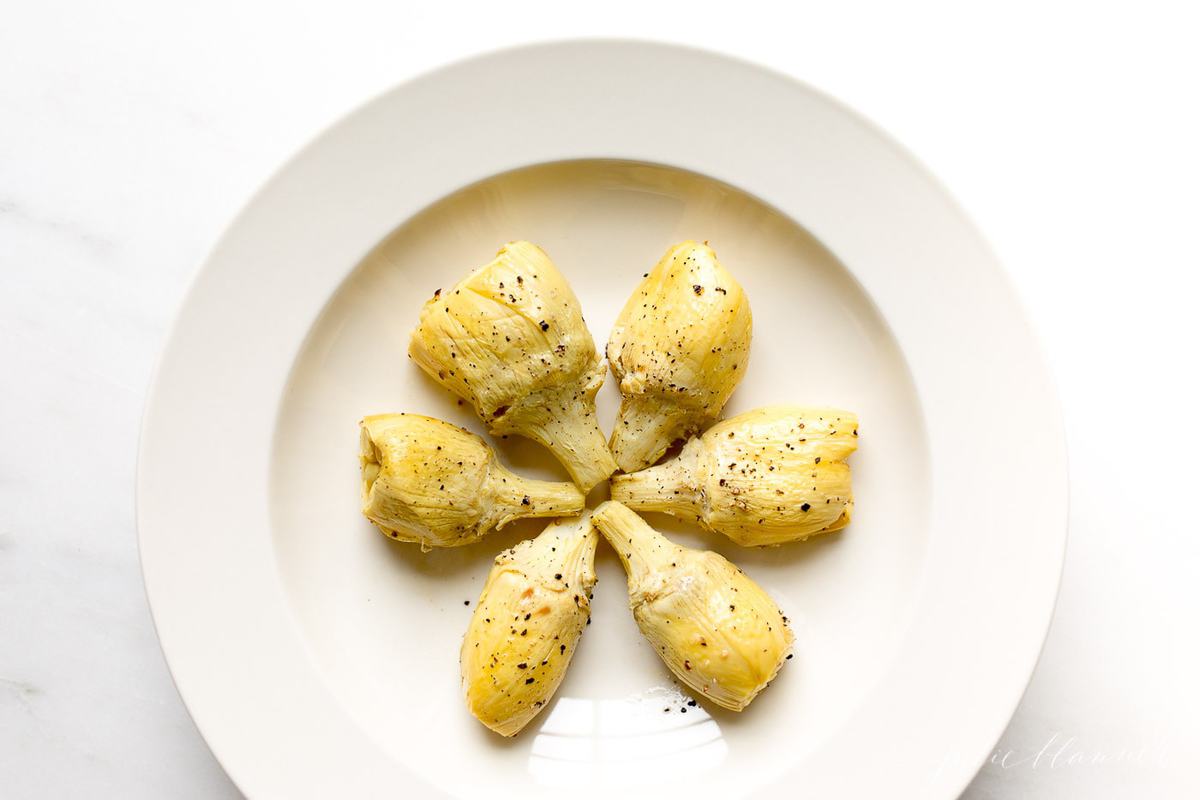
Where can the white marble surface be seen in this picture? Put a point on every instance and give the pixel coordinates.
(130, 133)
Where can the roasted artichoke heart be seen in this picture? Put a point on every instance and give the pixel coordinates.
(679, 348)
(529, 618)
(717, 630)
(765, 477)
(427, 481)
(511, 340)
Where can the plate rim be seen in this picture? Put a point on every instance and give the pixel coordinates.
(956, 776)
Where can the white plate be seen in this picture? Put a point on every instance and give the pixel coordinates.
(320, 660)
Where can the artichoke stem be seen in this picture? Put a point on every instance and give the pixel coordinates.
(575, 438)
(520, 498)
(670, 487)
(645, 428)
(642, 549)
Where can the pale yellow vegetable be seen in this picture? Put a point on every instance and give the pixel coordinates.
(678, 348)
(765, 477)
(718, 631)
(529, 618)
(427, 481)
(511, 340)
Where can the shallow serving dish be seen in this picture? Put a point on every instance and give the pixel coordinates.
(319, 659)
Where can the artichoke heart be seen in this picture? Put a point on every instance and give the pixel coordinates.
(718, 631)
(511, 340)
(765, 477)
(529, 618)
(679, 348)
(427, 481)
